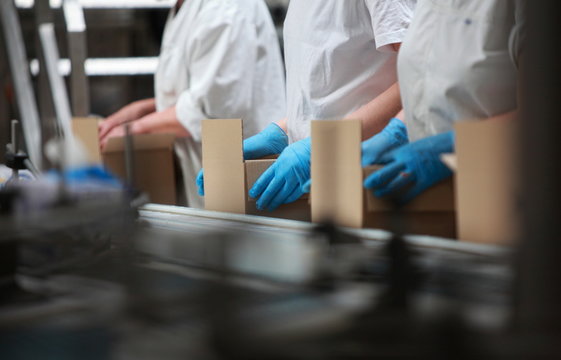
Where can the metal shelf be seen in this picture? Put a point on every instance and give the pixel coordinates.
(106, 4)
(107, 66)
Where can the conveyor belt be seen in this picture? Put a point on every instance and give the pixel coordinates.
(198, 221)
(286, 251)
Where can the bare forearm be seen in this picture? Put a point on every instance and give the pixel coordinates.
(160, 122)
(375, 115)
(506, 117)
(146, 107)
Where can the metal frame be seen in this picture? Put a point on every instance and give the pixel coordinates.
(193, 220)
(106, 66)
(25, 96)
(77, 50)
(107, 4)
(59, 96)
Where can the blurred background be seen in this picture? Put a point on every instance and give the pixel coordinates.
(125, 30)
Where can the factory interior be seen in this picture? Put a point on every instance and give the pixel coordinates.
(364, 195)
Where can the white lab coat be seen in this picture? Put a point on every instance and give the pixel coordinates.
(458, 63)
(219, 59)
(338, 56)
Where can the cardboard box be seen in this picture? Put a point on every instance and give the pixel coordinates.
(338, 194)
(486, 182)
(228, 177)
(153, 165)
(86, 130)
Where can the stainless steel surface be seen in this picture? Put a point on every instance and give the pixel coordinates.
(107, 66)
(77, 50)
(59, 95)
(25, 96)
(196, 221)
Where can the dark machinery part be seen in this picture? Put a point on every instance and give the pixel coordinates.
(538, 315)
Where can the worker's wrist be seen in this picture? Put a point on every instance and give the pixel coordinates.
(276, 131)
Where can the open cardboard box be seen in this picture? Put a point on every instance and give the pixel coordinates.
(228, 177)
(153, 165)
(486, 182)
(86, 130)
(338, 194)
(153, 159)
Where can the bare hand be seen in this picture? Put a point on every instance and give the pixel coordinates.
(129, 113)
(164, 122)
(118, 131)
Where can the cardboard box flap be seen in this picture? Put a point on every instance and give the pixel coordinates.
(337, 192)
(440, 197)
(224, 166)
(486, 189)
(141, 142)
(86, 130)
(253, 170)
(153, 166)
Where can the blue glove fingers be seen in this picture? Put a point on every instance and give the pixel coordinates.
(399, 182)
(296, 195)
(275, 186)
(385, 159)
(271, 141)
(283, 196)
(307, 187)
(263, 181)
(381, 177)
(393, 136)
(201, 182)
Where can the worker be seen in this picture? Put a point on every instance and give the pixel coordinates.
(459, 62)
(340, 63)
(219, 59)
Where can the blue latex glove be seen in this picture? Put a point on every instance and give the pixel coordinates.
(393, 136)
(271, 141)
(412, 168)
(87, 174)
(282, 182)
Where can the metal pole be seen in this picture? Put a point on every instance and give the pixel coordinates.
(43, 14)
(58, 94)
(25, 96)
(77, 52)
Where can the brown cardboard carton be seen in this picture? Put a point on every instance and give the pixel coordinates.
(85, 129)
(485, 182)
(299, 210)
(337, 191)
(153, 159)
(228, 178)
(338, 194)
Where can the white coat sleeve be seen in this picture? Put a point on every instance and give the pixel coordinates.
(221, 60)
(390, 20)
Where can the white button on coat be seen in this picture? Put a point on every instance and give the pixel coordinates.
(219, 59)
